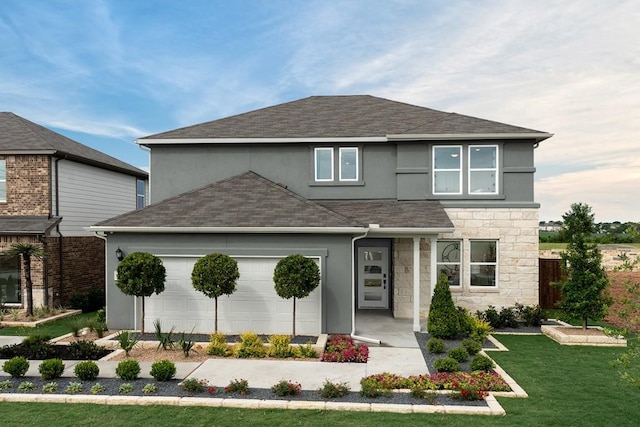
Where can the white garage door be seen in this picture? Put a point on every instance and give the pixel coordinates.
(254, 306)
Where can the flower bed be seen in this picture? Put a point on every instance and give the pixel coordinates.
(340, 348)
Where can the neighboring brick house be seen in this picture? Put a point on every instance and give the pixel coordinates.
(384, 195)
(51, 187)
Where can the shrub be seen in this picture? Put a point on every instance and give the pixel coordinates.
(165, 341)
(87, 370)
(306, 351)
(472, 346)
(443, 319)
(280, 346)
(466, 320)
(384, 380)
(37, 347)
(74, 388)
(50, 387)
(88, 301)
(127, 341)
(194, 385)
(508, 317)
(51, 369)
(125, 388)
(97, 388)
(250, 346)
(491, 316)
(240, 386)
(459, 353)
(85, 350)
(25, 386)
(101, 316)
(482, 363)
(530, 315)
(17, 366)
(446, 364)
(128, 370)
(149, 388)
(163, 370)
(436, 345)
(331, 390)
(481, 330)
(286, 388)
(218, 345)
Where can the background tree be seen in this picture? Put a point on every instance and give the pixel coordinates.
(296, 276)
(584, 288)
(141, 274)
(443, 320)
(26, 251)
(215, 275)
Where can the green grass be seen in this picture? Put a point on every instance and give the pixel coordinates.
(567, 386)
(54, 329)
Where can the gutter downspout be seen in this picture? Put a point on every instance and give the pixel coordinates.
(353, 292)
(106, 274)
(60, 236)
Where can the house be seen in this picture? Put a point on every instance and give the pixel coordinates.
(384, 195)
(51, 188)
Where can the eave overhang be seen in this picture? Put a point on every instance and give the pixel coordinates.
(536, 136)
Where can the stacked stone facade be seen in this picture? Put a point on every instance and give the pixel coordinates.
(516, 231)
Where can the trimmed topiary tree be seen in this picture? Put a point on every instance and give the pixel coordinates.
(584, 289)
(141, 274)
(215, 275)
(443, 320)
(296, 276)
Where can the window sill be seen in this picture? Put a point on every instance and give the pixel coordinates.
(336, 183)
(484, 289)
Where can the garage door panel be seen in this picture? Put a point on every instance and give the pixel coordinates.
(254, 306)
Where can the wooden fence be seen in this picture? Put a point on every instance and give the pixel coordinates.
(550, 271)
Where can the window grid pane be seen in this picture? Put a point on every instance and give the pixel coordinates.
(483, 169)
(448, 260)
(324, 164)
(348, 164)
(447, 170)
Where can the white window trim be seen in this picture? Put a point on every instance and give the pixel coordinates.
(357, 178)
(315, 163)
(496, 263)
(459, 263)
(459, 170)
(495, 170)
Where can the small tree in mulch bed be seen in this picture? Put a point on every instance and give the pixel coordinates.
(215, 275)
(584, 290)
(443, 320)
(296, 276)
(141, 274)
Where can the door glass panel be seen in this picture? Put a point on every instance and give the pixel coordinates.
(373, 269)
(373, 283)
(372, 296)
(373, 256)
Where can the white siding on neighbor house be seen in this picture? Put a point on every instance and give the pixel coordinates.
(89, 194)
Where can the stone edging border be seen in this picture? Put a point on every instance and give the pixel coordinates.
(493, 407)
(8, 323)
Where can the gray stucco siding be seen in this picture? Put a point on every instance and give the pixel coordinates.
(334, 252)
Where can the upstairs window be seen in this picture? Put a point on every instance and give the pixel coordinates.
(3, 180)
(483, 264)
(347, 169)
(348, 164)
(140, 193)
(324, 164)
(447, 170)
(483, 169)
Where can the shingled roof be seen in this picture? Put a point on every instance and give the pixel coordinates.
(27, 225)
(21, 136)
(250, 201)
(341, 116)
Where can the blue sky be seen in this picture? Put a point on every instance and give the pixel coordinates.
(107, 72)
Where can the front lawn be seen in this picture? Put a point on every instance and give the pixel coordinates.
(566, 385)
(53, 329)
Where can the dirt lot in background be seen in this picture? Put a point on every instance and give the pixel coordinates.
(618, 290)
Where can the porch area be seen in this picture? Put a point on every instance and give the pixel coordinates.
(381, 325)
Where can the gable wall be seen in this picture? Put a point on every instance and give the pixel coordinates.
(89, 194)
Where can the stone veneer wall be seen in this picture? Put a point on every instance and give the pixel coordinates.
(517, 233)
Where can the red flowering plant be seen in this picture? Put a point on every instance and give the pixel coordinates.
(240, 386)
(286, 388)
(340, 348)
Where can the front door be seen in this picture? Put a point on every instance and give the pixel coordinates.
(373, 277)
